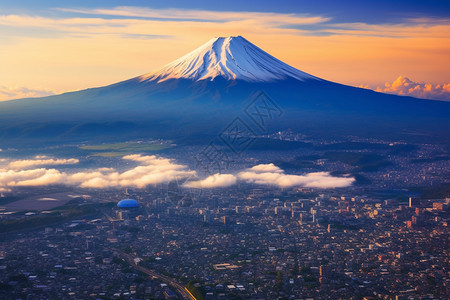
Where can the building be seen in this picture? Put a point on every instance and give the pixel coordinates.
(128, 203)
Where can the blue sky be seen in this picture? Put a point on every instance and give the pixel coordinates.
(374, 12)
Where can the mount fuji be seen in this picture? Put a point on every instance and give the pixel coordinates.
(199, 94)
(232, 58)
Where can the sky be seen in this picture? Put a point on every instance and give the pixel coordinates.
(49, 46)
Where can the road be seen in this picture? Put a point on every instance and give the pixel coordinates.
(170, 281)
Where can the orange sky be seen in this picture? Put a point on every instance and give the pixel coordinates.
(56, 54)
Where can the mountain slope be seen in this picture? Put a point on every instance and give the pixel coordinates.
(200, 93)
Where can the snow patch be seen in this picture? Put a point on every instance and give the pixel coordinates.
(228, 57)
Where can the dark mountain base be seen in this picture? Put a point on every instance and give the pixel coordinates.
(195, 112)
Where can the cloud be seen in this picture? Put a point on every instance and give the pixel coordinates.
(265, 168)
(14, 173)
(35, 177)
(39, 161)
(135, 22)
(406, 87)
(202, 15)
(269, 174)
(9, 93)
(151, 170)
(213, 181)
(38, 177)
(408, 28)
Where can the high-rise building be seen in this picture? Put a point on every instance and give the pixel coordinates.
(409, 224)
(438, 206)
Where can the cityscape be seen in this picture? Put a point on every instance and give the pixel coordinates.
(254, 242)
(225, 150)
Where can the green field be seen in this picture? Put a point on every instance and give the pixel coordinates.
(118, 149)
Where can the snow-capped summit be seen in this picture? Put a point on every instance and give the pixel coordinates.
(228, 57)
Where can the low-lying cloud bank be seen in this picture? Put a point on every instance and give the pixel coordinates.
(213, 181)
(39, 161)
(407, 87)
(269, 174)
(151, 170)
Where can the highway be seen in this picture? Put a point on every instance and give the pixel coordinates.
(169, 281)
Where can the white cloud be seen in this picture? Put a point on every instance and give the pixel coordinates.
(135, 22)
(269, 174)
(36, 177)
(213, 181)
(407, 87)
(265, 168)
(203, 15)
(40, 177)
(8, 93)
(151, 170)
(39, 161)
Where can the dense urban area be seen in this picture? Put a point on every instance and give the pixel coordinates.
(368, 241)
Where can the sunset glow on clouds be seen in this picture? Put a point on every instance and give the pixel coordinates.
(150, 170)
(213, 181)
(63, 49)
(406, 87)
(39, 161)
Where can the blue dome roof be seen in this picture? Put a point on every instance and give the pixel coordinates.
(127, 203)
